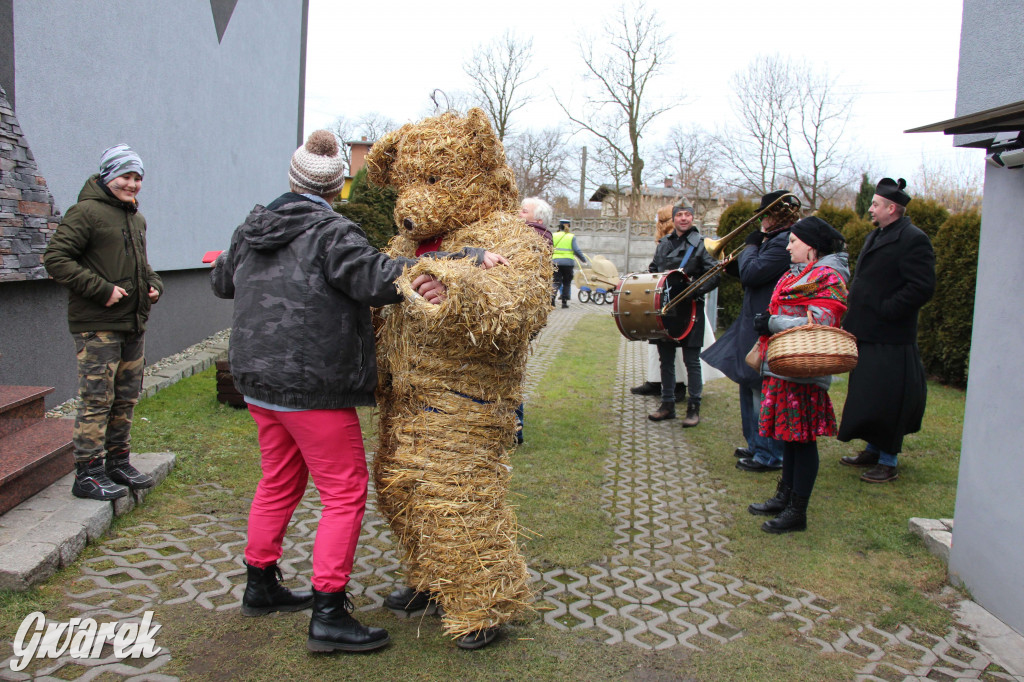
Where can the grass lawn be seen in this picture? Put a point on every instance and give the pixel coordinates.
(856, 553)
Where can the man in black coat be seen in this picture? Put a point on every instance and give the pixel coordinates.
(683, 249)
(895, 276)
(762, 261)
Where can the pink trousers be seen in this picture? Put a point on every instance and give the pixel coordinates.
(329, 445)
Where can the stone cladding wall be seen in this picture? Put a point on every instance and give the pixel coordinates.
(28, 216)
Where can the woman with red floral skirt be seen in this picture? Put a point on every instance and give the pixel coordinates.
(797, 411)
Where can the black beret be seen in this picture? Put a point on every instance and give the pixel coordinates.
(817, 234)
(893, 190)
(767, 200)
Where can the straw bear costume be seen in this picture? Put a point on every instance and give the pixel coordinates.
(451, 375)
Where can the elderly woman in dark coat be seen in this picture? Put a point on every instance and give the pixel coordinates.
(798, 410)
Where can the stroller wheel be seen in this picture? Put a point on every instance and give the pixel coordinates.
(598, 297)
(583, 295)
(609, 297)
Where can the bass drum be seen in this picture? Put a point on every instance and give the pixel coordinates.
(639, 298)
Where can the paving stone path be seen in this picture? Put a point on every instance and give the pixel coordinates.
(660, 589)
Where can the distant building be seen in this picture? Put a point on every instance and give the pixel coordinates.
(615, 202)
(358, 149)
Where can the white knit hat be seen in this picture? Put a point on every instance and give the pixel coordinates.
(317, 166)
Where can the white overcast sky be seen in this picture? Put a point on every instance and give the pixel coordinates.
(897, 57)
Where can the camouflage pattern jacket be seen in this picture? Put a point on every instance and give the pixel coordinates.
(303, 279)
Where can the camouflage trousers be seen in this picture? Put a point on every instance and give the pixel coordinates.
(109, 382)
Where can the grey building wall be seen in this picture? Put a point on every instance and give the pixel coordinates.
(209, 92)
(988, 539)
(214, 121)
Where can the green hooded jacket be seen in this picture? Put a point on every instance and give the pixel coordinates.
(100, 243)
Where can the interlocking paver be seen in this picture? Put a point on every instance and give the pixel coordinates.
(660, 588)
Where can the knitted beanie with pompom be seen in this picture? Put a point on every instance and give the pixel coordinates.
(317, 166)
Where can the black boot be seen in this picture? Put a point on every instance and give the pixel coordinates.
(692, 413)
(478, 639)
(93, 483)
(775, 505)
(680, 392)
(405, 602)
(332, 626)
(265, 594)
(792, 518)
(647, 388)
(565, 303)
(666, 411)
(120, 471)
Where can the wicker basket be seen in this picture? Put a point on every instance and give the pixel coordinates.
(811, 350)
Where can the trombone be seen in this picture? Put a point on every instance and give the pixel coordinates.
(717, 246)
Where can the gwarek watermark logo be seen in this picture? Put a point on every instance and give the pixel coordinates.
(82, 638)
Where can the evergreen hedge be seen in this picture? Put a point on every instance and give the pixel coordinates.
(372, 208)
(927, 214)
(946, 323)
(730, 293)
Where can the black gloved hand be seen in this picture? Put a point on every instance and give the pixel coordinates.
(652, 268)
(755, 238)
(761, 323)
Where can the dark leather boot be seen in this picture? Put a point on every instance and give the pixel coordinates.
(565, 303)
(680, 392)
(478, 639)
(775, 505)
(666, 411)
(265, 594)
(120, 471)
(692, 414)
(332, 626)
(647, 388)
(405, 602)
(861, 459)
(880, 473)
(792, 518)
(93, 483)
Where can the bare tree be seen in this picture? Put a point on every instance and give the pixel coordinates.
(956, 184)
(373, 125)
(540, 161)
(790, 124)
(499, 70)
(607, 163)
(343, 130)
(690, 156)
(617, 110)
(817, 162)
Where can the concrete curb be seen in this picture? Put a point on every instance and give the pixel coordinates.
(50, 529)
(937, 535)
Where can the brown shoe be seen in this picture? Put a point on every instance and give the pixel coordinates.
(666, 411)
(692, 415)
(861, 459)
(880, 474)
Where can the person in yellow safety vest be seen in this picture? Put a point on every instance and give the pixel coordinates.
(565, 249)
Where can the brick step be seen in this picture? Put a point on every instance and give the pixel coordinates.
(21, 406)
(32, 458)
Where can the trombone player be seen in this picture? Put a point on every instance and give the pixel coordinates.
(683, 249)
(762, 261)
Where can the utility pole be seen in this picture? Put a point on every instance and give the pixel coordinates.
(583, 176)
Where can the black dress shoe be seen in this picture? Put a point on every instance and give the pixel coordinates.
(752, 465)
(405, 602)
(647, 388)
(740, 453)
(863, 459)
(478, 639)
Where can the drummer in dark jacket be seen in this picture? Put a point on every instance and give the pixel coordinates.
(303, 279)
(895, 276)
(683, 249)
(763, 260)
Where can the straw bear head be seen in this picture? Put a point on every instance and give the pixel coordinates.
(449, 171)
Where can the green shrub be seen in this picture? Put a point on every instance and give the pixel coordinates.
(856, 231)
(864, 196)
(946, 323)
(371, 207)
(730, 293)
(927, 214)
(835, 216)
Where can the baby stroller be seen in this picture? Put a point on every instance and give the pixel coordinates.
(597, 281)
